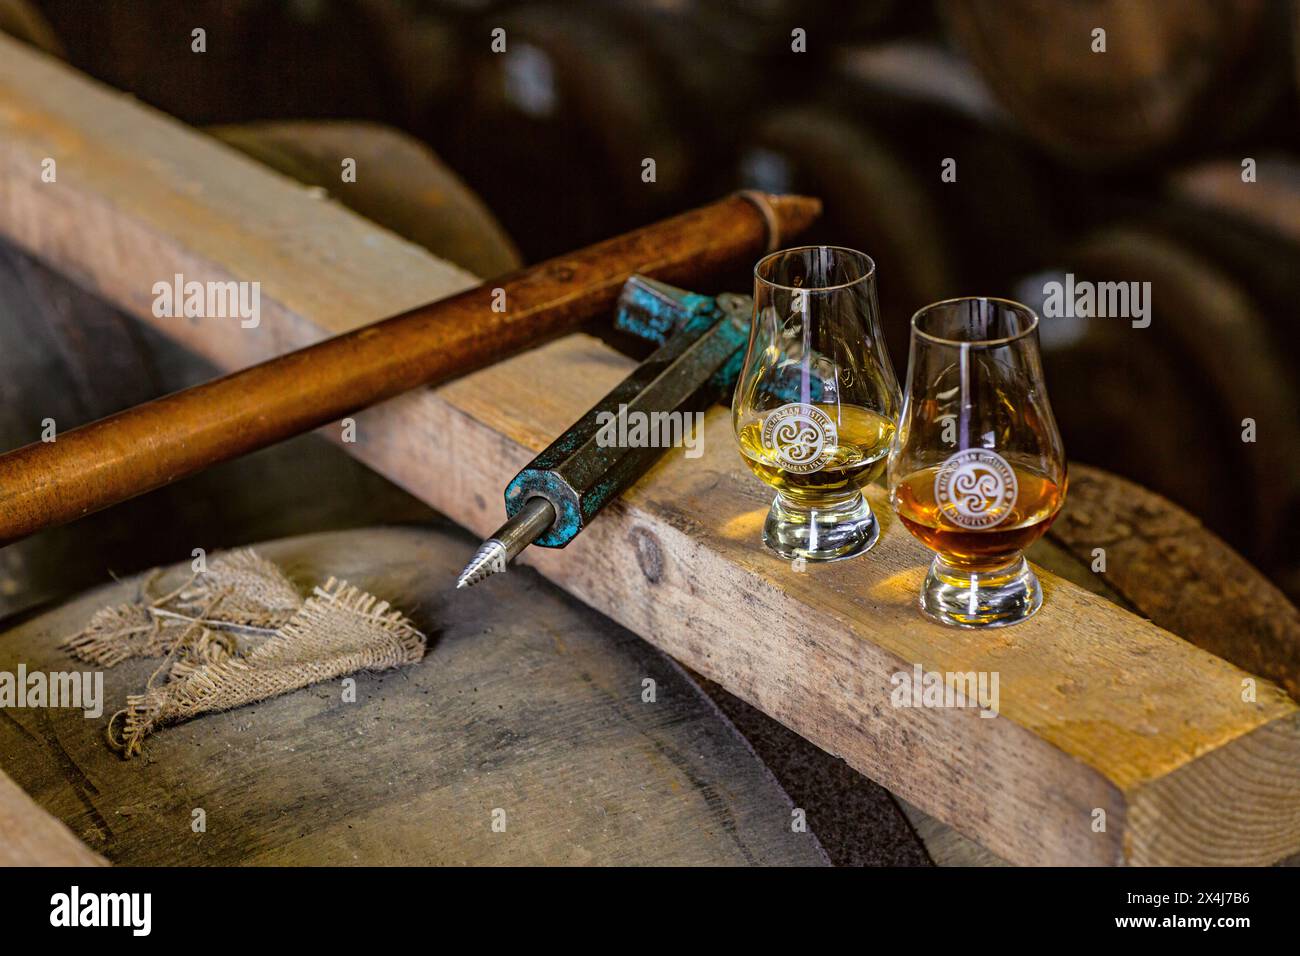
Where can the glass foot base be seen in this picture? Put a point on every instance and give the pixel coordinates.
(821, 534)
(981, 599)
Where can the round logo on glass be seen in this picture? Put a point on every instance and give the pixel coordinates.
(975, 488)
(800, 437)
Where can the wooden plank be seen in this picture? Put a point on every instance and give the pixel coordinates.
(130, 181)
(31, 837)
(1099, 710)
(946, 846)
(531, 704)
(1183, 577)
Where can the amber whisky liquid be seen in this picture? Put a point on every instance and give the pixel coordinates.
(856, 458)
(1037, 502)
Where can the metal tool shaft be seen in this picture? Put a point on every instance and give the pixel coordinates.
(597, 458)
(143, 448)
(526, 526)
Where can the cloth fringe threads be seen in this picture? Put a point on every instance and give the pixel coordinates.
(236, 634)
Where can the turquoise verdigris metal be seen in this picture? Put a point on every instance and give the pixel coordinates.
(655, 310)
(702, 346)
(702, 342)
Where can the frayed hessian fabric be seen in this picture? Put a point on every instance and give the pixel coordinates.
(238, 588)
(216, 658)
(254, 591)
(119, 633)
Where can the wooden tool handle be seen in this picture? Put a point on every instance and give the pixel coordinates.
(108, 461)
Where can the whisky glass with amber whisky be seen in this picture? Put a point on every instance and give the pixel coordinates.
(816, 401)
(977, 471)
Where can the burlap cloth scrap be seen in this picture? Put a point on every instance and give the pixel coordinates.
(235, 634)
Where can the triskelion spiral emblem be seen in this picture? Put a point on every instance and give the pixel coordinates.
(975, 488)
(800, 437)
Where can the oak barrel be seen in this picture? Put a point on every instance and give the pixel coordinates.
(919, 167)
(394, 180)
(526, 703)
(1211, 360)
(20, 19)
(532, 704)
(261, 59)
(1198, 72)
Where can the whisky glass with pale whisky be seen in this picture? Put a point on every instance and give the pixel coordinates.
(977, 471)
(816, 401)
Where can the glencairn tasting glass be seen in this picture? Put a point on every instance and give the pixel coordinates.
(977, 471)
(815, 404)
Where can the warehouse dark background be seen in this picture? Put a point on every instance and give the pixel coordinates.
(1122, 166)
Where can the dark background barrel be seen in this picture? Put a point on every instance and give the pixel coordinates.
(1165, 149)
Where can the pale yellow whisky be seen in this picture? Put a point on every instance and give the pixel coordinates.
(821, 456)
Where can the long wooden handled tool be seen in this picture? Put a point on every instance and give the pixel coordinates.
(151, 445)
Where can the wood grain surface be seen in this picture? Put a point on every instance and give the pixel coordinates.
(1098, 707)
(1099, 712)
(529, 704)
(30, 836)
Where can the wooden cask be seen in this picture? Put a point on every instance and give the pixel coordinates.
(1269, 203)
(534, 705)
(557, 129)
(918, 167)
(1192, 73)
(262, 59)
(20, 19)
(873, 201)
(590, 747)
(1169, 403)
(397, 182)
